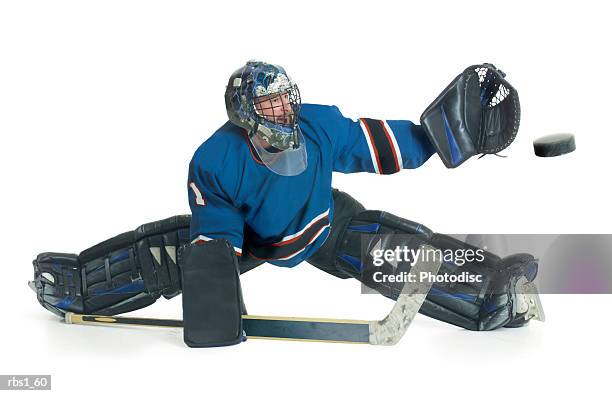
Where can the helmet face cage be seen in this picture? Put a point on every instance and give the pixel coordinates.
(281, 108)
(278, 115)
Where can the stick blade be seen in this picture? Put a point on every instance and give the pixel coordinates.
(392, 328)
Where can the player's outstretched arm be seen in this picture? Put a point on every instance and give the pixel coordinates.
(371, 145)
(477, 113)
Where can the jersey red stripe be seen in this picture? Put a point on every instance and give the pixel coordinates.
(391, 145)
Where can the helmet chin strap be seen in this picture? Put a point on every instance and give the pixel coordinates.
(296, 142)
(253, 131)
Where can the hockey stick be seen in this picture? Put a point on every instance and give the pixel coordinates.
(387, 331)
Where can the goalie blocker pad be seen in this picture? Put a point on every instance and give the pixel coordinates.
(477, 113)
(212, 299)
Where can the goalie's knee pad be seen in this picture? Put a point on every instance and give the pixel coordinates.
(375, 231)
(345, 208)
(124, 273)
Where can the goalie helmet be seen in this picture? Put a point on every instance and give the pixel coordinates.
(262, 99)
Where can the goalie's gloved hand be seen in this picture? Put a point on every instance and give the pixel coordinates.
(499, 298)
(477, 113)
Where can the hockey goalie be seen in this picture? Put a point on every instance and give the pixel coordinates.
(260, 190)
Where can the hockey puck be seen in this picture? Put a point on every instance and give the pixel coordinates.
(554, 145)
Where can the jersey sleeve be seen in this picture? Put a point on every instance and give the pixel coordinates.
(378, 146)
(214, 214)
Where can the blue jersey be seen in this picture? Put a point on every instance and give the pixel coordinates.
(285, 219)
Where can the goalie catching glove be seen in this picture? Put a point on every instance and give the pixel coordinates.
(478, 113)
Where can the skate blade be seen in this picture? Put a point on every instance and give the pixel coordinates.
(535, 310)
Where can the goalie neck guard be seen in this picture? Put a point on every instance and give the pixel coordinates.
(262, 99)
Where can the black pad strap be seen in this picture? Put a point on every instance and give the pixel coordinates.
(212, 299)
(109, 279)
(171, 243)
(84, 281)
(132, 259)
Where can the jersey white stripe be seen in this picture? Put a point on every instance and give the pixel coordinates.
(201, 238)
(370, 145)
(396, 148)
(206, 239)
(198, 195)
(319, 217)
(318, 234)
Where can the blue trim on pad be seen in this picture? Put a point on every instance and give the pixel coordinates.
(353, 261)
(374, 227)
(452, 143)
(458, 296)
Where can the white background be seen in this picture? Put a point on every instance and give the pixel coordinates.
(103, 103)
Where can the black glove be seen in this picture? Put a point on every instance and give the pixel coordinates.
(478, 113)
(212, 298)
